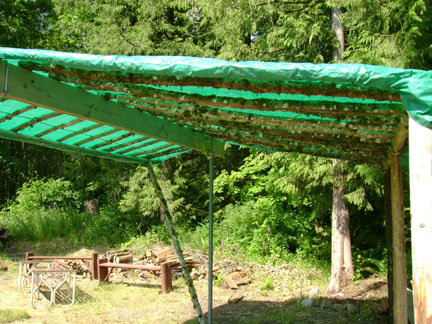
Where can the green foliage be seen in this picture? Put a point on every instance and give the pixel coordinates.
(268, 284)
(293, 31)
(141, 197)
(96, 178)
(45, 194)
(392, 33)
(26, 23)
(290, 195)
(133, 27)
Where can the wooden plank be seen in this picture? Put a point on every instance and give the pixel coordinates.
(59, 127)
(25, 86)
(34, 121)
(130, 266)
(420, 151)
(16, 113)
(66, 147)
(400, 303)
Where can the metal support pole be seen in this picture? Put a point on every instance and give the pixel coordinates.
(210, 263)
(169, 223)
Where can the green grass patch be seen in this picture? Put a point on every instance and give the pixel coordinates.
(11, 315)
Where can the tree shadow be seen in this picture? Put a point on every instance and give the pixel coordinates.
(148, 285)
(291, 311)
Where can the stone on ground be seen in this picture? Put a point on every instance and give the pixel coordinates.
(307, 302)
(352, 308)
(325, 303)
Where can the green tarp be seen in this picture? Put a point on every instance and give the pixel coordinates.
(348, 111)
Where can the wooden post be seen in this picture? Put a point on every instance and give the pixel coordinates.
(420, 152)
(94, 266)
(166, 278)
(27, 257)
(171, 229)
(389, 239)
(102, 271)
(400, 304)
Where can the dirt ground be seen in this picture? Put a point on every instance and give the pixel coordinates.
(274, 296)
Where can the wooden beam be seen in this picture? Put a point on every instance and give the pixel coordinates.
(71, 148)
(400, 304)
(22, 85)
(420, 152)
(399, 140)
(389, 239)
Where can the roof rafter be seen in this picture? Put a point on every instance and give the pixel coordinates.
(22, 85)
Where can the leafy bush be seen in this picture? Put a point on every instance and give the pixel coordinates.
(47, 209)
(45, 194)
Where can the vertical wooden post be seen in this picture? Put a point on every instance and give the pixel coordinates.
(94, 266)
(389, 239)
(166, 278)
(420, 152)
(102, 271)
(179, 252)
(27, 257)
(28, 254)
(400, 304)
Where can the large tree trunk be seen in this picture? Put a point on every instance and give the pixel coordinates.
(342, 268)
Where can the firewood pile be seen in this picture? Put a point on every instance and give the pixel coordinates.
(159, 255)
(120, 256)
(80, 267)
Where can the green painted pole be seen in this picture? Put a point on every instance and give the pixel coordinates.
(210, 264)
(169, 223)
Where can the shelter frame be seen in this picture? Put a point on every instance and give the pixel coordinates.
(154, 108)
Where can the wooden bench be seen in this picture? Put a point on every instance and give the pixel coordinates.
(105, 268)
(54, 279)
(91, 261)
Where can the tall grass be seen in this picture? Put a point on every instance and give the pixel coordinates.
(109, 227)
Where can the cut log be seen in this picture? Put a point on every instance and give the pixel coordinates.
(124, 259)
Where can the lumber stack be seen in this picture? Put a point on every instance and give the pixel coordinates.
(158, 255)
(120, 256)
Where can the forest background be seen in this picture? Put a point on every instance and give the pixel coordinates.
(270, 206)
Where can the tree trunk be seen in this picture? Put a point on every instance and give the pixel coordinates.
(342, 268)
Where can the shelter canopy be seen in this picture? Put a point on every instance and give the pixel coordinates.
(149, 108)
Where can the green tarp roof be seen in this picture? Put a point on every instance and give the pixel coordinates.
(149, 108)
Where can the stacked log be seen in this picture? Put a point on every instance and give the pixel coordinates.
(79, 266)
(120, 256)
(159, 255)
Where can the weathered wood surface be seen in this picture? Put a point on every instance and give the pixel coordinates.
(389, 239)
(400, 304)
(44, 92)
(420, 146)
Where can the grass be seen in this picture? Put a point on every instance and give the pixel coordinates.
(12, 315)
(274, 296)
